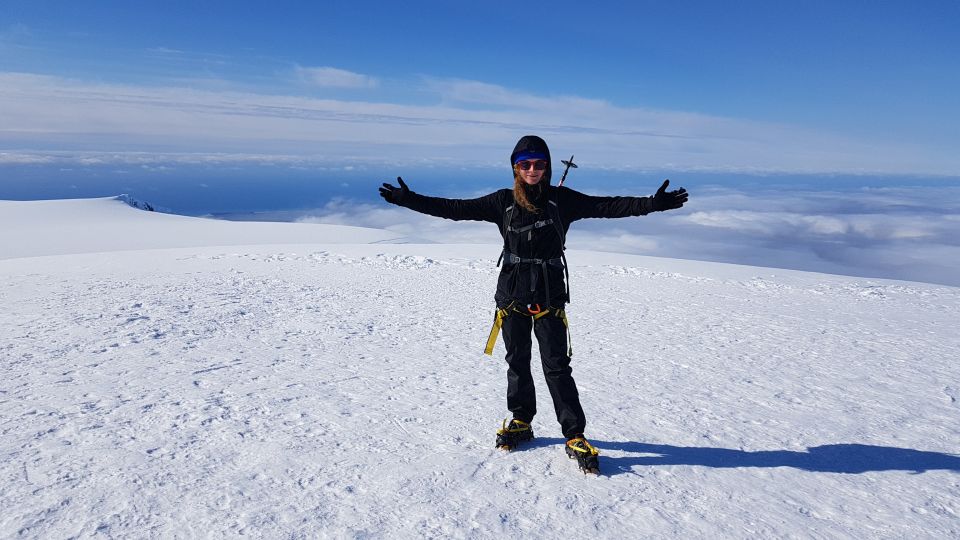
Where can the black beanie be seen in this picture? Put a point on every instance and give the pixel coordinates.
(531, 144)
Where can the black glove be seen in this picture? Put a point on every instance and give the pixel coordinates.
(668, 200)
(394, 194)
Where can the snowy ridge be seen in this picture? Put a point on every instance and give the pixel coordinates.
(41, 228)
(339, 390)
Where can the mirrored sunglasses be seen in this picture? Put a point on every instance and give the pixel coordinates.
(537, 164)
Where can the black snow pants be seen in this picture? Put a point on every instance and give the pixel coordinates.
(551, 334)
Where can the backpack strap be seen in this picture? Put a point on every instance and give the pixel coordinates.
(563, 242)
(507, 215)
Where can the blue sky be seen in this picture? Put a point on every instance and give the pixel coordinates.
(774, 86)
(304, 105)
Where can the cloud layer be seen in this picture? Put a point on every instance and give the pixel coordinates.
(909, 234)
(465, 122)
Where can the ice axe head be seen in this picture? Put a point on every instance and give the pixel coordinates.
(569, 163)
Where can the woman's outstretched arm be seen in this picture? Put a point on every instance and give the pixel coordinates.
(486, 208)
(582, 206)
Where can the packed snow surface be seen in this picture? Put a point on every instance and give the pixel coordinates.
(163, 376)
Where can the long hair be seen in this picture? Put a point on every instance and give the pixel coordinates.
(520, 190)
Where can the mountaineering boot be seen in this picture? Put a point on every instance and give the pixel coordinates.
(512, 434)
(588, 457)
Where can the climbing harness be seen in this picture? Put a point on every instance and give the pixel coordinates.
(534, 310)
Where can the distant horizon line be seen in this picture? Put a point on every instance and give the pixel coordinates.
(155, 161)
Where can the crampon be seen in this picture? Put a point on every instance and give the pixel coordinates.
(588, 457)
(512, 434)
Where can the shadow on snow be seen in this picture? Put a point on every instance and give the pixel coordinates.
(833, 458)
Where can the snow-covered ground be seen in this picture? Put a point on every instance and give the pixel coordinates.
(163, 376)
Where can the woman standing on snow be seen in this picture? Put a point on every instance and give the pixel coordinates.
(533, 219)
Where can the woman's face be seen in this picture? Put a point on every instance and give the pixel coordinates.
(531, 170)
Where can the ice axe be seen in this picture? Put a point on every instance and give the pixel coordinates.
(569, 163)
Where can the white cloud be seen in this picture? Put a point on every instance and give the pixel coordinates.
(464, 91)
(165, 51)
(794, 225)
(403, 221)
(330, 77)
(20, 158)
(616, 240)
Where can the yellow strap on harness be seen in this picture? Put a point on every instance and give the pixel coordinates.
(495, 331)
(498, 322)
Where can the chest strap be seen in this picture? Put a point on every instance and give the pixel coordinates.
(530, 228)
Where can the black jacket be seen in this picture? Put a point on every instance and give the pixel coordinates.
(525, 282)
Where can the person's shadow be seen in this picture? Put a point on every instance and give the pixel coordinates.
(832, 458)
